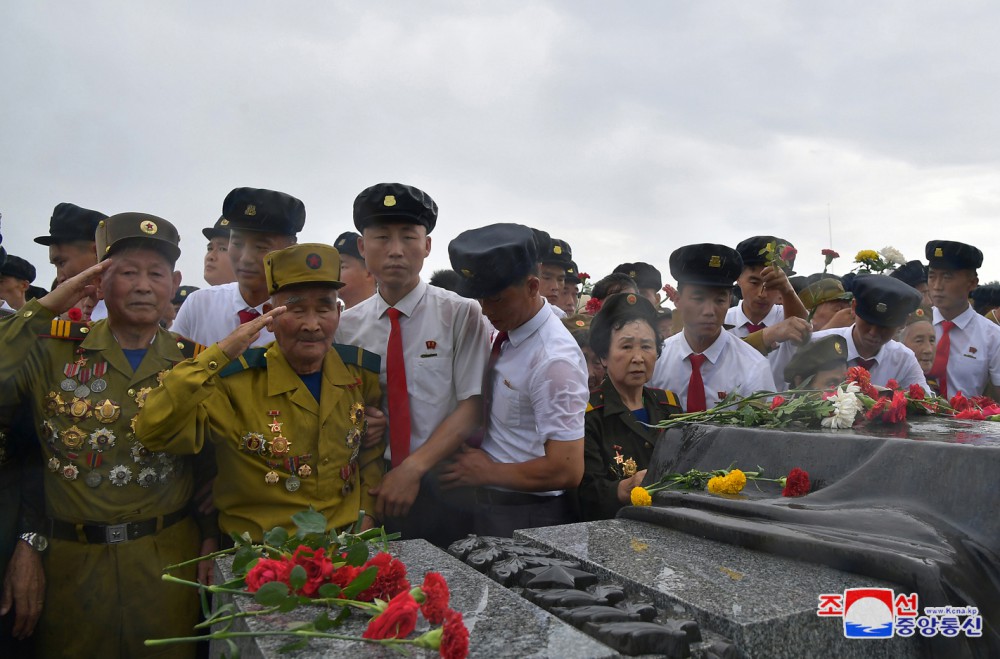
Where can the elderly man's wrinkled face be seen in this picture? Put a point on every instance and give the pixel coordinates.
(305, 331)
(138, 286)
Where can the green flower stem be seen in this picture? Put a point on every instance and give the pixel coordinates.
(236, 616)
(194, 584)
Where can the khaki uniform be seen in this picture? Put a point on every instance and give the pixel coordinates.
(83, 395)
(278, 450)
(616, 445)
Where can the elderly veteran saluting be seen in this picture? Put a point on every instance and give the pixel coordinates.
(117, 513)
(287, 419)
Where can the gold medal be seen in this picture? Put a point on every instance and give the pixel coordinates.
(107, 411)
(280, 445)
(73, 437)
(140, 396)
(305, 471)
(79, 408)
(54, 403)
(271, 477)
(253, 442)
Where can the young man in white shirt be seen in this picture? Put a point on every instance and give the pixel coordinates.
(432, 379)
(535, 390)
(260, 222)
(554, 256)
(703, 363)
(967, 356)
(72, 249)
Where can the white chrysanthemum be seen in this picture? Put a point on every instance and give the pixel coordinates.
(845, 407)
(893, 255)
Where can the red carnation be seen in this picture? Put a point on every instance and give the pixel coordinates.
(916, 392)
(318, 567)
(892, 384)
(897, 409)
(671, 292)
(265, 571)
(436, 596)
(981, 401)
(959, 402)
(788, 253)
(75, 314)
(344, 575)
(592, 307)
(875, 413)
(796, 483)
(397, 621)
(391, 579)
(829, 252)
(584, 275)
(776, 401)
(971, 413)
(860, 375)
(455, 639)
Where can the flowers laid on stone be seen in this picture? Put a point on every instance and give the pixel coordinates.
(333, 571)
(729, 481)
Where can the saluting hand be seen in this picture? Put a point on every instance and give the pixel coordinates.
(66, 295)
(236, 343)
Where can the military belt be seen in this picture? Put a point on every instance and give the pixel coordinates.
(110, 534)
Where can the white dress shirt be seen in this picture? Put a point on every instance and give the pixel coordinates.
(894, 361)
(99, 312)
(974, 358)
(209, 315)
(445, 350)
(557, 311)
(776, 358)
(539, 391)
(731, 364)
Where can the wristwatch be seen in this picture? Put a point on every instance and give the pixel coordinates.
(36, 541)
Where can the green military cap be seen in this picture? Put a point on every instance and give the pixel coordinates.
(823, 290)
(820, 355)
(308, 263)
(137, 230)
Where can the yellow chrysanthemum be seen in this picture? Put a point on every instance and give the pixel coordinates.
(640, 497)
(716, 484)
(736, 480)
(866, 255)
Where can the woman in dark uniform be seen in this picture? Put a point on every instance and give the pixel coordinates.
(617, 446)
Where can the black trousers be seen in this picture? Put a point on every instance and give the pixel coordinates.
(502, 519)
(438, 516)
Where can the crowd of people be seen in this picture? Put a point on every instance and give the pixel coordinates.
(146, 423)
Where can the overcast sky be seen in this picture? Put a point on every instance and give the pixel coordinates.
(626, 128)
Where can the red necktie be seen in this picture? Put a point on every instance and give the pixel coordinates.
(498, 342)
(867, 364)
(696, 386)
(247, 315)
(399, 398)
(754, 327)
(939, 369)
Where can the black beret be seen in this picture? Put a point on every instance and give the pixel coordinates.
(911, 272)
(219, 230)
(491, 258)
(884, 301)
(182, 294)
(951, 255)
(558, 253)
(70, 222)
(706, 264)
(828, 352)
(643, 274)
(751, 248)
(387, 203)
(572, 273)
(347, 245)
(18, 268)
(265, 211)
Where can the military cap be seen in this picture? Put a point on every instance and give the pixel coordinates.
(69, 222)
(706, 264)
(347, 244)
(572, 273)
(35, 293)
(577, 322)
(952, 255)
(387, 203)
(137, 230)
(985, 297)
(265, 211)
(919, 314)
(618, 308)
(820, 355)
(557, 253)
(798, 283)
(219, 230)
(543, 241)
(306, 263)
(751, 248)
(182, 294)
(884, 301)
(643, 274)
(911, 272)
(18, 268)
(491, 258)
(823, 290)
(816, 276)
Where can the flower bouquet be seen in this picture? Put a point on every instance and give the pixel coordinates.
(336, 573)
(884, 260)
(721, 481)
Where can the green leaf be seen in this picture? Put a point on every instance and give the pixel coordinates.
(361, 582)
(271, 594)
(322, 622)
(234, 650)
(288, 604)
(329, 590)
(309, 521)
(357, 554)
(276, 536)
(345, 613)
(298, 577)
(243, 559)
(294, 646)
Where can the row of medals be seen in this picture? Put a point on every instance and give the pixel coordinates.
(106, 412)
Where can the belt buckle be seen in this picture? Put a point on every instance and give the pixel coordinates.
(115, 533)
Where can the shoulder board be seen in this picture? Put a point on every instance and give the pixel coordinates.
(188, 347)
(596, 400)
(664, 397)
(359, 357)
(252, 358)
(67, 329)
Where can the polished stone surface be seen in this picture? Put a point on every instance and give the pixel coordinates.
(766, 604)
(501, 624)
